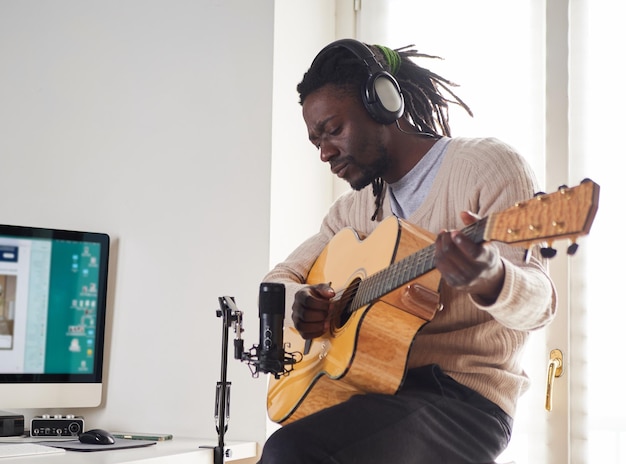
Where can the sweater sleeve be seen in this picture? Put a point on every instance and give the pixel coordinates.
(528, 298)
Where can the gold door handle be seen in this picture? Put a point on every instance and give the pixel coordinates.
(555, 369)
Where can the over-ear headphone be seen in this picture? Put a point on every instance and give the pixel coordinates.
(381, 92)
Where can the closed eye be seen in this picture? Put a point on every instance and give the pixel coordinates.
(322, 131)
(315, 141)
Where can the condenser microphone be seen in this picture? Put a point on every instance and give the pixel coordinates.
(271, 353)
(269, 356)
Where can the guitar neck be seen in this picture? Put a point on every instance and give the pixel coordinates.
(407, 269)
(566, 213)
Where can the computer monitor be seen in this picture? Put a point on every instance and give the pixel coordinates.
(53, 286)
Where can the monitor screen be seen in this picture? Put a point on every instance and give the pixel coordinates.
(53, 286)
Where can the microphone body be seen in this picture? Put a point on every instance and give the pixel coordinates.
(271, 353)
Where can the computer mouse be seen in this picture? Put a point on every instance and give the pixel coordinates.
(96, 437)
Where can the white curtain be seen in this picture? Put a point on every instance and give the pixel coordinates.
(597, 105)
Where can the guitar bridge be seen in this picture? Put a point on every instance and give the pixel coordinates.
(416, 299)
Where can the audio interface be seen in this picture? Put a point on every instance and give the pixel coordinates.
(56, 426)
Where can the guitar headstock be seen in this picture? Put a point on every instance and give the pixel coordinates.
(565, 214)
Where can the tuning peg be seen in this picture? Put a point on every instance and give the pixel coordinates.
(571, 250)
(562, 187)
(547, 252)
(537, 194)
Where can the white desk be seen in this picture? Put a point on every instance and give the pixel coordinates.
(175, 451)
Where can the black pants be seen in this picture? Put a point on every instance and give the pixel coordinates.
(432, 420)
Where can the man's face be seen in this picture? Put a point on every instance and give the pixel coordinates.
(347, 137)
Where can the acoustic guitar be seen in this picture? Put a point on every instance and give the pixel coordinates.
(390, 291)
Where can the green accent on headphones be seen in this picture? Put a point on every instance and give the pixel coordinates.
(392, 57)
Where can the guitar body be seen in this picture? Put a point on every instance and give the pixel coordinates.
(368, 352)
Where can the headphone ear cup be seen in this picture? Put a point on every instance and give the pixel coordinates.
(383, 98)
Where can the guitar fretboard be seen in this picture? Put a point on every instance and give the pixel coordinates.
(403, 271)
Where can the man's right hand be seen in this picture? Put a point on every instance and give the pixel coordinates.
(311, 310)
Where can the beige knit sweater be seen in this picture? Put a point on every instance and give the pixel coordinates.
(481, 347)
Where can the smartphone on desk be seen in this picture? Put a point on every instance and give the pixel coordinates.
(143, 436)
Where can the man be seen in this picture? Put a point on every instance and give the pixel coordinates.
(380, 121)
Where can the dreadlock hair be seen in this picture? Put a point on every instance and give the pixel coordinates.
(426, 94)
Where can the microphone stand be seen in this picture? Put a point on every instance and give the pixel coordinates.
(222, 392)
(231, 316)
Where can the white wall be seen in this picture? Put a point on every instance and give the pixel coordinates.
(150, 120)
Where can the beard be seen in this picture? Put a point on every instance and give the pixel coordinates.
(368, 172)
